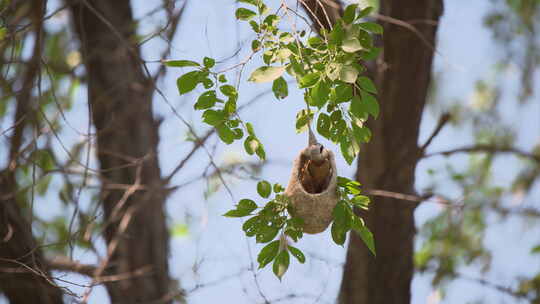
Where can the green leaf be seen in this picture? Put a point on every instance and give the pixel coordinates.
(309, 80)
(187, 82)
(371, 54)
(286, 38)
(356, 107)
(180, 63)
(342, 222)
(280, 88)
(278, 188)
(303, 118)
(297, 253)
(535, 250)
(244, 14)
(44, 159)
(333, 70)
(230, 106)
(361, 201)
(252, 226)
(268, 253)
(260, 151)
(338, 128)
(365, 234)
(366, 84)
(342, 181)
(250, 145)
(339, 233)
(237, 213)
(255, 45)
(225, 134)
(350, 13)
(315, 42)
(271, 20)
(347, 149)
(371, 104)
(43, 184)
(238, 133)
(249, 128)
(266, 74)
(341, 212)
(365, 12)
(252, 2)
(283, 54)
(255, 26)
(366, 40)
(348, 74)
(343, 93)
(222, 78)
(362, 134)
(319, 94)
(243, 208)
(264, 189)
(207, 83)
(345, 182)
(213, 117)
(263, 9)
(266, 234)
(372, 27)
(247, 204)
(281, 264)
(351, 45)
(206, 100)
(209, 62)
(336, 35)
(228, 90)
(323, 125)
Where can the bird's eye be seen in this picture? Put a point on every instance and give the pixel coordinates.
(321, 148)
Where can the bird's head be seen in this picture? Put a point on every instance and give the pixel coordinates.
(316, 152)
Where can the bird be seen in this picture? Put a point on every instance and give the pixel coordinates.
(316, 170)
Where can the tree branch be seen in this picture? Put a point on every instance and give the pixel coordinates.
(487, 149)
(64, 263)
(442, 122)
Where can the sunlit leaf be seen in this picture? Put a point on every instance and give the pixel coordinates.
(266, 74)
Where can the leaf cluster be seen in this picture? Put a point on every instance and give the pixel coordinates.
(266, 222)
(218, 103)
(328, 67)
(345, 219)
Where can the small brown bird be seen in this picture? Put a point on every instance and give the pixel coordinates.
(316, 169)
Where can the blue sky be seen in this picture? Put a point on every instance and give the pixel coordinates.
(215, 248)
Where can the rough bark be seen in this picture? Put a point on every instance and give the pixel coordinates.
(388, 162)
(24, 274)
(120, 98)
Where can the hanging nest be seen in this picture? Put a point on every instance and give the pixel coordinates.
(314, 205)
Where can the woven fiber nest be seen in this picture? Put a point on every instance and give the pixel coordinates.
(315, 209)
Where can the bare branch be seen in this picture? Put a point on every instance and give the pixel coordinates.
(63, 263)
(442, 122)
(490, 148)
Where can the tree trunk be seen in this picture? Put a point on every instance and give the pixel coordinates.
(120, 97)
(388, 162)
(24, 273)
